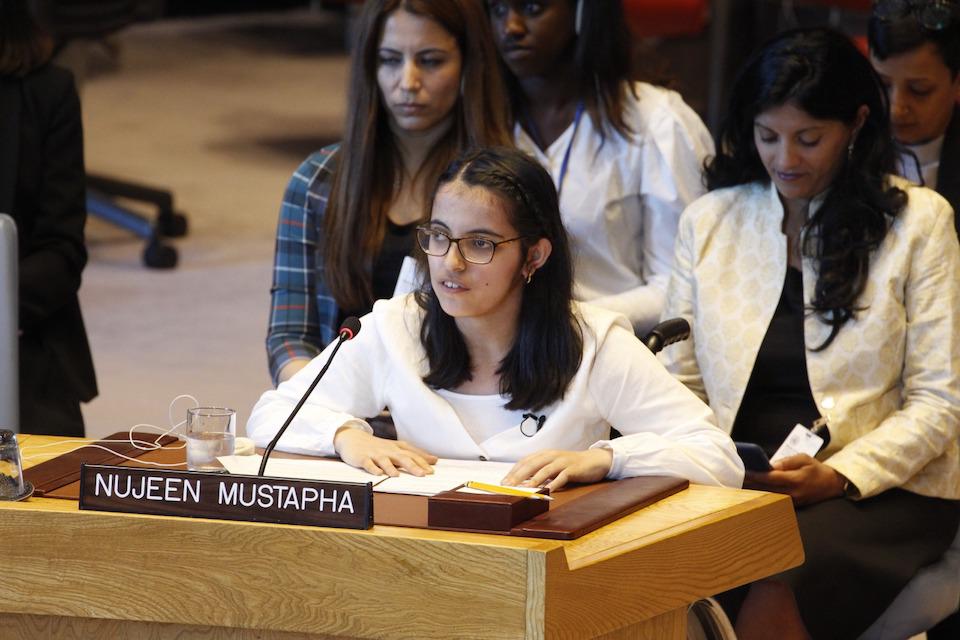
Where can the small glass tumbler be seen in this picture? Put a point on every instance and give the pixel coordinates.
(211, 433)
(12, 485)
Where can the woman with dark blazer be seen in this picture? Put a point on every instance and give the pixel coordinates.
(42, 186)
(915, 49)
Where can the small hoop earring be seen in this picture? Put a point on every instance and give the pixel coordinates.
(530, 276)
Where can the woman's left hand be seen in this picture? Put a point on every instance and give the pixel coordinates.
(805, 479)
(553, 469)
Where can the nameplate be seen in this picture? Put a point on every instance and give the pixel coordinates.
(221, 496)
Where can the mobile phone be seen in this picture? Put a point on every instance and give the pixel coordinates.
(754, 458)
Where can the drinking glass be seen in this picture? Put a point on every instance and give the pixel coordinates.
(211, 432)
(12, 485)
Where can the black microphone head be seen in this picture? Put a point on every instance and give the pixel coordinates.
(350, 328)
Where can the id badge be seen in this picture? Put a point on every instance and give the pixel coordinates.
(801, 440)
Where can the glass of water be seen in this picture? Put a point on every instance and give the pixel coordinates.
(211, 432)
(12, 485)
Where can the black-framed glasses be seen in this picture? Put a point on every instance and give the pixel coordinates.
(933, 15)
(474, 249)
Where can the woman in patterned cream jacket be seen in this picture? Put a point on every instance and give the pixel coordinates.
(819, 287)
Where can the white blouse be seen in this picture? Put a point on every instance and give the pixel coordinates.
(622, 198)
(667, 430)
(922, 164)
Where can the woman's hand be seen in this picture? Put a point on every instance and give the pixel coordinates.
(553, 469)
(379, 456)
(805, 479)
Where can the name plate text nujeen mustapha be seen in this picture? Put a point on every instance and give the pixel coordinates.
(163, 492)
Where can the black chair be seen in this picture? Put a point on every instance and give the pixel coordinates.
(666, 333)
(92, 20)
(102, 192)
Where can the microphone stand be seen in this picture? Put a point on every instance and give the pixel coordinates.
(345, 335)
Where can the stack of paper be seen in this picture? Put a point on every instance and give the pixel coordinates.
(447, 474)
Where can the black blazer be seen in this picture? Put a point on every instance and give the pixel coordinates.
(948, 175)
(48, 205)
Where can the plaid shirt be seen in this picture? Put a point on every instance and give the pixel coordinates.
(303, 313)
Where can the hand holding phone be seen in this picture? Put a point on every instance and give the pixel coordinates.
(753, 456)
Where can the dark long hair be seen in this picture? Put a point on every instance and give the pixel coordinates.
(24, 46)
(821, 72)
(893, 36)
(548, 346)
(367, 175)
(603, 65)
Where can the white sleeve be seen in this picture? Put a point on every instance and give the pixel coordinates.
(676, 143)
(680, 358)
(666, 429)
(350, 389)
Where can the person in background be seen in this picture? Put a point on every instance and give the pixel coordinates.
(820, 286)
(625, 156)
(42, 186)
(915, 48)
(424, 84)
(492, 360)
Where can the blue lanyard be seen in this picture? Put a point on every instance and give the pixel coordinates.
(566, 156)
(538, 139)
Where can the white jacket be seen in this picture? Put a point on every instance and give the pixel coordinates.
(622, 198)
(667, 430)
(889, 381)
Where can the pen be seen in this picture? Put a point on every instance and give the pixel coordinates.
(509, 491)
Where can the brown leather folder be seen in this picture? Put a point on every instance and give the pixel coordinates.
(485, 512)
(54, 477)
(608, 502)
(574, 511)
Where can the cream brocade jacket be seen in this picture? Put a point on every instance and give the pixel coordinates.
(888, 383)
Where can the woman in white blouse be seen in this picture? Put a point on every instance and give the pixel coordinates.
(819, 287)
(491, 360)
(625, 156)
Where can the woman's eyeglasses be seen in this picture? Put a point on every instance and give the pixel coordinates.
(933, 15)
(474, 249)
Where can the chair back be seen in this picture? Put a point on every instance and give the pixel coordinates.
(9, 327)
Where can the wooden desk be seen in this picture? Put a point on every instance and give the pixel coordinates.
(67, 573)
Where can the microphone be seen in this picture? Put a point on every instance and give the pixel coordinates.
(666, 333)
(348, 331)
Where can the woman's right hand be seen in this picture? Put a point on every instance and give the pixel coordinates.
(380, 456)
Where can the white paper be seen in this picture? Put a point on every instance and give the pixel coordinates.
(800, 440)
(327, 469)
(447, 473)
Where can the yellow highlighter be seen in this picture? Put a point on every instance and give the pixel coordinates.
(508, 491)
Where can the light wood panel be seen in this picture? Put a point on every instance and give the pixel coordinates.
(668, 625)
(201, 572)
(30, 627)
(735, 546)
(68, 571)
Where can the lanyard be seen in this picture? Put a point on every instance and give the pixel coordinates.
(565, 164)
